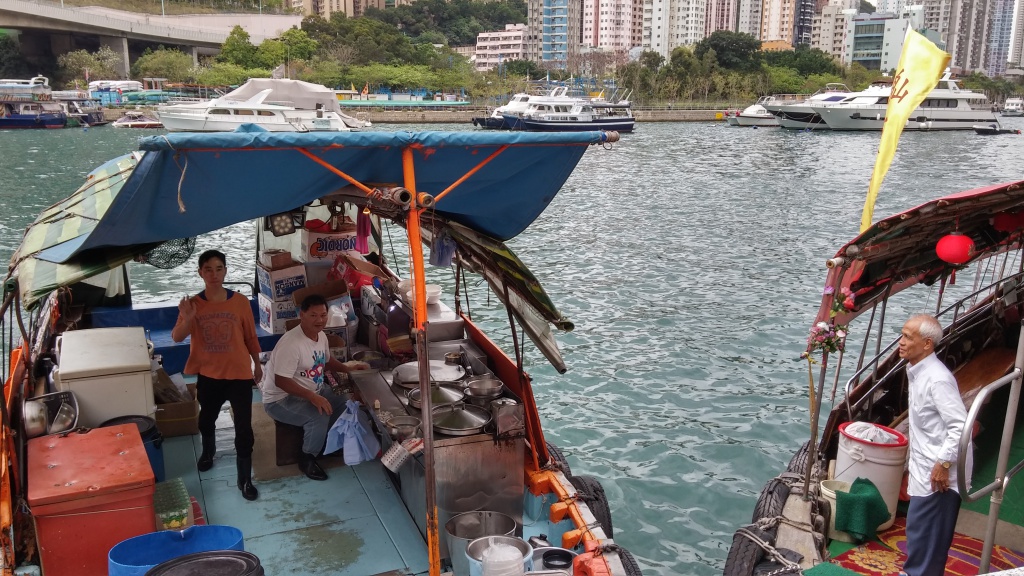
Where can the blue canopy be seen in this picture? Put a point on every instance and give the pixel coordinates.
(189, 184)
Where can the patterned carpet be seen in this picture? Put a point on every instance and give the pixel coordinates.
(886, 557)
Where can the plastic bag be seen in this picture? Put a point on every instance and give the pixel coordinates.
(353, 434)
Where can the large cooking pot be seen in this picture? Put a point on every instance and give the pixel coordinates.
(408, 375)
(440, 395)
(460, 419)
(486, 386)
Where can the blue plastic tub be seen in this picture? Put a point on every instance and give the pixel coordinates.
(135, 556)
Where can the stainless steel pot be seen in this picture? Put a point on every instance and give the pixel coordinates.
(484, 386)
(460, 419)
(403, 427)
(440, 395)
(34, 417)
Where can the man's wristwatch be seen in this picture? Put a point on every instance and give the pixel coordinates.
(946, 464)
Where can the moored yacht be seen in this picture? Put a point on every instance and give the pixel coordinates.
(278, 105)
(29, 104)
(578, 115)
(519, 103)
(799, 115)
(947, 107)
(754, 115)
(81, 108)
(1013, 107)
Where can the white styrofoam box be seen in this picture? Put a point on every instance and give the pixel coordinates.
(368, 299)
(274, 314)
(279, 284)
(326, 246)
(344, 304)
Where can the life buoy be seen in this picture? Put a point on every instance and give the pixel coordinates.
(590, 491)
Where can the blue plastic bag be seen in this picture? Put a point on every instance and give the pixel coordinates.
(353, 434)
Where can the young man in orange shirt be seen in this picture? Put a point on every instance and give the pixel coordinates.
(224, 353)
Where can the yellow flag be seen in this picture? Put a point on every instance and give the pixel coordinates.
(353, 86)
(920, 68)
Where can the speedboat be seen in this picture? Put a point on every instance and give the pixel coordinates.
(579, 115)
(393, 512)
(754, 115)
(277, 105)
(1013, 107)
(962, 254)
(946, 107)
(29, 104)
(994, 130)
(81, 108)
(137, 119)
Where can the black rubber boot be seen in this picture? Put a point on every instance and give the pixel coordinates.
(309, 467)
(249, 492)
(209, 449)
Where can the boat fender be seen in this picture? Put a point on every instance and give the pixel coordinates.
(748, 549)
(590, 491)
(556, 459)
(772, 499)
(593, 561)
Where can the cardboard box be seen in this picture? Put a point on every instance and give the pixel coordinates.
(329, 290)
(280, 284)
(177, 418)
(274, 315)
(326, 246)
(318, 272)
(356, 272)
(276, 259)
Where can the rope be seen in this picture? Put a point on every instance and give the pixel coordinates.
(181, 181)
(787, 565)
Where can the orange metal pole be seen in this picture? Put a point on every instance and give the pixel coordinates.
(471, 172)
(420, 331)
(325, 164)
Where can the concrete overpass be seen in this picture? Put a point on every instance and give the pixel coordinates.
(49, 27)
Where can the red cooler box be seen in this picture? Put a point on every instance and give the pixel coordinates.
(88, 491)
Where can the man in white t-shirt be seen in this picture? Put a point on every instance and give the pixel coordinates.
(293, 385)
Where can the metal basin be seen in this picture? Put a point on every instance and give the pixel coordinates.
(460, 419)
(440, 395)
(408, 375)
(484, 386)
(404, 427)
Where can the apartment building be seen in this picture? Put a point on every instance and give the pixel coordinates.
(940, 16)
(1017, 46)
(609, 23)
(324, 8)
(1000, 37)
(828, 32)
(493, 48)
(554, 31)
(668, 24)
(896, 32)
(748, 17)
(970, 38)
(778, 21)
(721, 15)
(875, 41)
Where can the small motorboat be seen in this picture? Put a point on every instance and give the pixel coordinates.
(994, 129)
(137, 120)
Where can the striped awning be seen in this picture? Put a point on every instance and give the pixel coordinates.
(43, 262)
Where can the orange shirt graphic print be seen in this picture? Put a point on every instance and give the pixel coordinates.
(216, 330)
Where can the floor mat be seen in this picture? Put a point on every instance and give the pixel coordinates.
(264, 459)
(872, 559)
(964, 554)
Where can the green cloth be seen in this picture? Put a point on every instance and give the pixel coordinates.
(860, 511)
(829, 569)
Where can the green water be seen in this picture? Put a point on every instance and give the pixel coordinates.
(691, 259)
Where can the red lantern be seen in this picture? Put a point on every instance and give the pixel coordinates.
(955, 248)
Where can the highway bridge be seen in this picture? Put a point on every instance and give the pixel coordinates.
(49, 28)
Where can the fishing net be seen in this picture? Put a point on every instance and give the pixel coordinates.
(170, 254)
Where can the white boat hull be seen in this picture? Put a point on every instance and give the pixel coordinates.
(174, 122)
(745, 120)
(872, 118)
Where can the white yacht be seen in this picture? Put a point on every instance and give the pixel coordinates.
(796, 114)
(947, 107)
(519, 103)
(1013, 107)
(278, 105)
(754, 115)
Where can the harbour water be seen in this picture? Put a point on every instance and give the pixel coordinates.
(690, 257)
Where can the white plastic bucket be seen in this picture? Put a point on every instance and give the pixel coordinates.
(828, 492)
(883, 464)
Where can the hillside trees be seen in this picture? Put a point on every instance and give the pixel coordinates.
(733, 50)
(82, 65)
(12, 63)
(174, 65)
(459, 21)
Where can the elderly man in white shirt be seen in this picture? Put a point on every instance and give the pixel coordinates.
(937, 417)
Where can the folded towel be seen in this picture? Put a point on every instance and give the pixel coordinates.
(860, 511)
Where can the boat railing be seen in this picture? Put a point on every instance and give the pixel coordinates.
(963, 316)
(1002, 476)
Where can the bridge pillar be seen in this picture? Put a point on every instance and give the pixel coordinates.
(61, 43)
(195, 55)
(119, 44)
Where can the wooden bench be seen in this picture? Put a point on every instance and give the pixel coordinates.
(287, 443)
